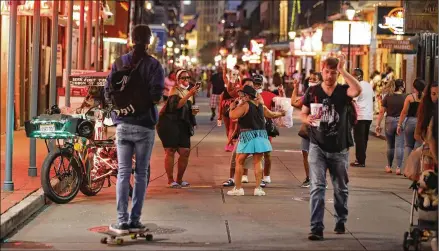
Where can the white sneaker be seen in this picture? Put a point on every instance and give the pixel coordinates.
(244, 179)
(236, 192)
(259, 192)
(267, 179)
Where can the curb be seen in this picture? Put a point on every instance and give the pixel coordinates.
(21, 212)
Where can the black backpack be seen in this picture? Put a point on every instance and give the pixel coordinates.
(128, 91)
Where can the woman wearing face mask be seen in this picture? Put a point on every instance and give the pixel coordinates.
(176, 126)
(314, 79)
(253, 138)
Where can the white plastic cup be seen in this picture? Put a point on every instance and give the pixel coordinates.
(316, 112)
(219, 122)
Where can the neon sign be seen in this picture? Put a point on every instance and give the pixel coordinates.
(394, 21)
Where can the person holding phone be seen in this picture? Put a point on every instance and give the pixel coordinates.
(176, 127)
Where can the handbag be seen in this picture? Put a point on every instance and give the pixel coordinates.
(412, 169)
(271, 128)
(303, 131)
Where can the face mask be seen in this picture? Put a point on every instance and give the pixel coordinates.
(184, 87)
(312, 83)
(259, 91)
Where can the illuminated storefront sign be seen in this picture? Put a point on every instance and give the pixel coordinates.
(390, 20)
(308, 44)
(361, 33)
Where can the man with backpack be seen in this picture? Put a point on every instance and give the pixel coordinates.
(327, 109)
(134, 87)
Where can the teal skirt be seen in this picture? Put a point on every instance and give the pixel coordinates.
(255, 141)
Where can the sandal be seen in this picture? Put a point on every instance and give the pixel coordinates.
(174, 185)
(184, 184)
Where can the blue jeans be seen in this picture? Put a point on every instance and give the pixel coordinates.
(337, 163)
(138, 140)
(395, 142)
(409, 135)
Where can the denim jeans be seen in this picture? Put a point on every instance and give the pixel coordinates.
(395, 142)
(337, 163)
(138, 140)
(409, 135)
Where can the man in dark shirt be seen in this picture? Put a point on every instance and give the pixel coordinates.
(325, 110)
(217, 85)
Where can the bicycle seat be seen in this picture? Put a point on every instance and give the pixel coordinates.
(104, 143)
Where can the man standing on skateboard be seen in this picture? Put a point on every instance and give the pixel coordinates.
(135, 133)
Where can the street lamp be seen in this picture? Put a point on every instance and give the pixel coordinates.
(350, 13)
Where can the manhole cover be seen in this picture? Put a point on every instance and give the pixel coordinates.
(306, 198)
(169, 230)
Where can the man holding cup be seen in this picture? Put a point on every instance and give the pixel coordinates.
(326, 110)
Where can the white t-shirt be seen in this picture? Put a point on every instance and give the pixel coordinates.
(365, 102)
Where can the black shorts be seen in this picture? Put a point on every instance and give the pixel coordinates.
(173, 134)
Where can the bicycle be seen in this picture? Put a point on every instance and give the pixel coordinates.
(90, 158)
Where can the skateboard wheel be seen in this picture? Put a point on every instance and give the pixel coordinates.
(119, 241)
(149, 237)
(104, 240)
(133, 236)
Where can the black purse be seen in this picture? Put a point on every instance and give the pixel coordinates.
(271, 128)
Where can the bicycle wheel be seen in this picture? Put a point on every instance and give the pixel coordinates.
(64, 185)
(92, 170)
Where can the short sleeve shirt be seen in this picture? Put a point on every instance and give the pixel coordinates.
(331, 132)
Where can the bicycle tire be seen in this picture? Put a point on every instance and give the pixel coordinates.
(85, 188)
(45, 176)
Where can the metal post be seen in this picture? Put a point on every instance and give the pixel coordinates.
(32, 171)
(8, 184)
(52, 98)
(96, 56)
(69, 51)
(88, 43)
(81, 36)
(349, 50)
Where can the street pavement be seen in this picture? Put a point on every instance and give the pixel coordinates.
(203, 217)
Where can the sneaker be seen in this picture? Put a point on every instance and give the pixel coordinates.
(398, 171)
(236, 192)
(267, 179)
(388, 169)
(357, 164)
(263, 184)
(119, 228)
(316, 235)
(339, 228)
(244, 179)
(259, 192)
(306, 183)
(136, 227)
(229, 183)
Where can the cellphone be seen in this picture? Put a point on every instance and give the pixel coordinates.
(198, 84)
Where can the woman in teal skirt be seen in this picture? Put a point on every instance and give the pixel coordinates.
(253, 138)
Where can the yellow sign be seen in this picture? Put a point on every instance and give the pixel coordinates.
(394, 21)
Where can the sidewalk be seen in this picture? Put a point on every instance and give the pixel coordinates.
(23, 184)
(204, 217)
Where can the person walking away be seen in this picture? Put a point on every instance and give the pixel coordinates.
(216, 84)
(407, 119)
(135, 134)
(364, 104)
(176, 127)
(393, 103)
(253, 138)
(326, 111)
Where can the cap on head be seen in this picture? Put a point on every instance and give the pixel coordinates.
(249, 91)
(179, 72)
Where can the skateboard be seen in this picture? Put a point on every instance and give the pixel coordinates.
(115, 238)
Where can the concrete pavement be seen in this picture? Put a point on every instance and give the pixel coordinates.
(203, 217)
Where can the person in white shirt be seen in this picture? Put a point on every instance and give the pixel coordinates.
(364, 104)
